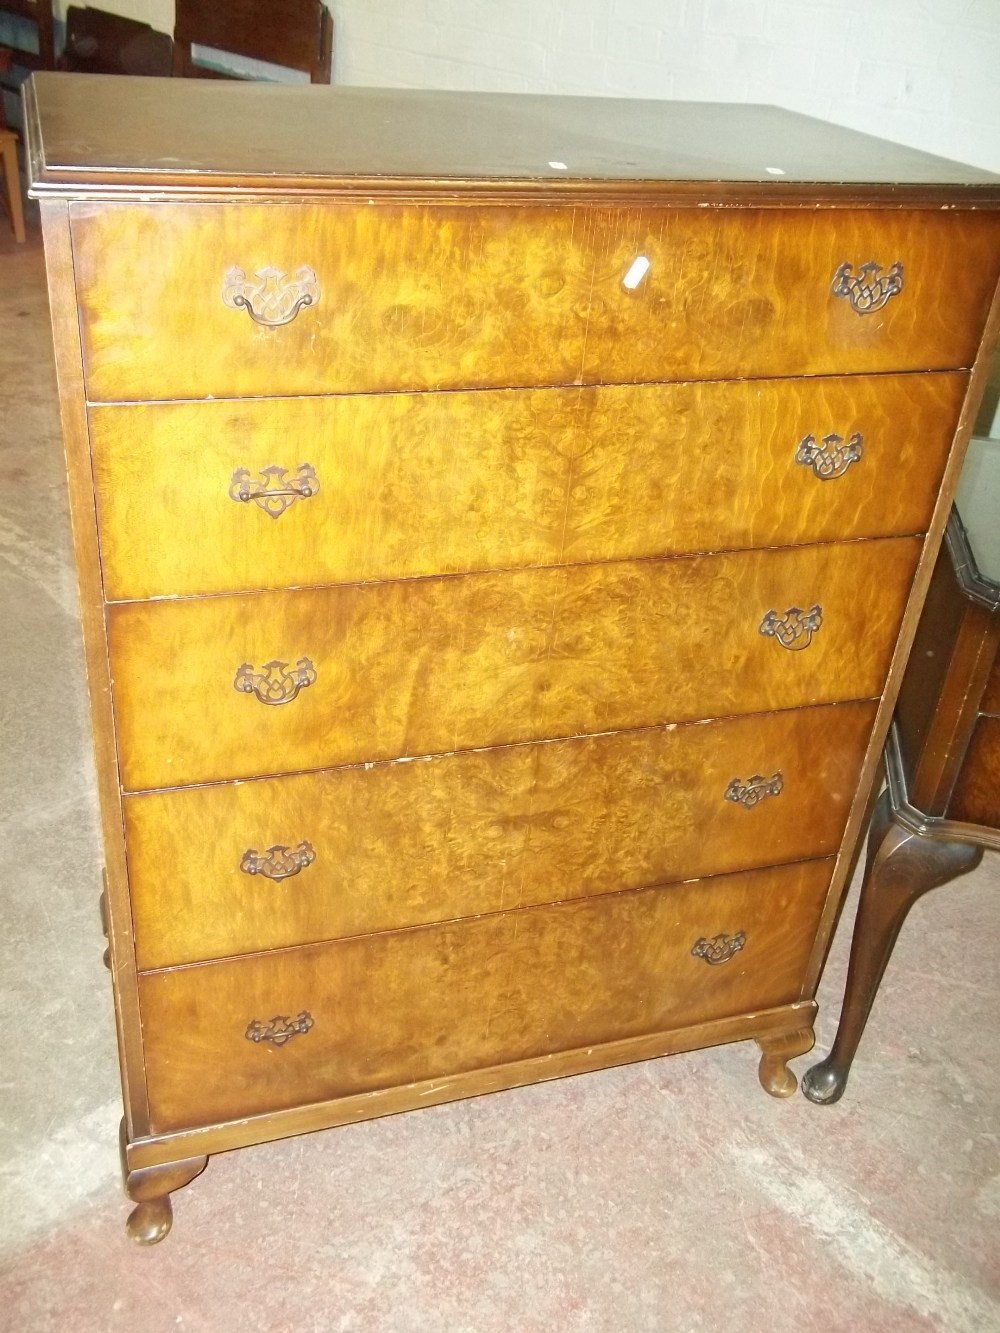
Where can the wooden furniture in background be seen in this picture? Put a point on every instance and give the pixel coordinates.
(297, 34)
(941, 808)
(499, 548)
(12, 200)
(12, 182)
(39, 13)
(100, 43)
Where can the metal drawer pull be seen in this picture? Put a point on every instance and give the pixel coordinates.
(795, 629)
(870, 288)
(270, 298)
(274, 492)
(279, 1030)
(833, 457)
(278, 862)
(720, 949)
(754, 790)
(274, 683)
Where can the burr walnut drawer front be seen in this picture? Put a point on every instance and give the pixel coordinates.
(231, 1039)
(291, 492)
(250, 685)
(238, 300)
(245, 867)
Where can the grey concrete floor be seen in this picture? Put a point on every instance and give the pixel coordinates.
(672, 1195)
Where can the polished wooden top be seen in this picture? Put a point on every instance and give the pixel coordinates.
(95, 133)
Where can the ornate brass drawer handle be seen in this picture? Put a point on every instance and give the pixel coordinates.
(280, 1029)
(833, 457)
(278, 862)
(270, 297)
(720, 949)
(274, 683)
(274, 492)
(754, 790)
(870, 288)
(795, 629)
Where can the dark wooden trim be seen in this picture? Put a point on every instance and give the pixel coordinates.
(979, 589)
(108, 185)
(915, 821)
(970, 659)
(204, 185)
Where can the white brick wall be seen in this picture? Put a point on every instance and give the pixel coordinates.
(922, 72)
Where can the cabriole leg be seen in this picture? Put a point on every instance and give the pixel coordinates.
(150, 1188)
(775, 1076)
(901, 866)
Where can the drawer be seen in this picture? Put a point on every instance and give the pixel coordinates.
(237, 868)
(976, 798)
(253, 685)
(291, 492)
(386, 1010)
(237, 300)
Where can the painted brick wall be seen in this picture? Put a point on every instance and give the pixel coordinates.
(921, 72)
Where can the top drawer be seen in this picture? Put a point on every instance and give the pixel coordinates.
(201, 300)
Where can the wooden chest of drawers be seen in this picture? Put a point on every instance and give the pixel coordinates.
(499, 545)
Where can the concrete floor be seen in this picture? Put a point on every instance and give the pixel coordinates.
(672, 1195)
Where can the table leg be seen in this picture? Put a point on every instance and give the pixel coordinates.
(901, 866)
(8, 150)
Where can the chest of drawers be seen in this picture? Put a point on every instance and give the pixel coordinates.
(501, 524)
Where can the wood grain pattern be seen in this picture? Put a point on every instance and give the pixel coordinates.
(477, 297)
(737, 296)
(298, 35)
(171, 1146)
(406, 844)
(991, 695)
(88, 133)
(477, 993)
(921, 730)
(508, 279)
(976, 798)
(428, 665)
(83, 519)
(942, 690)
(437, 483)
